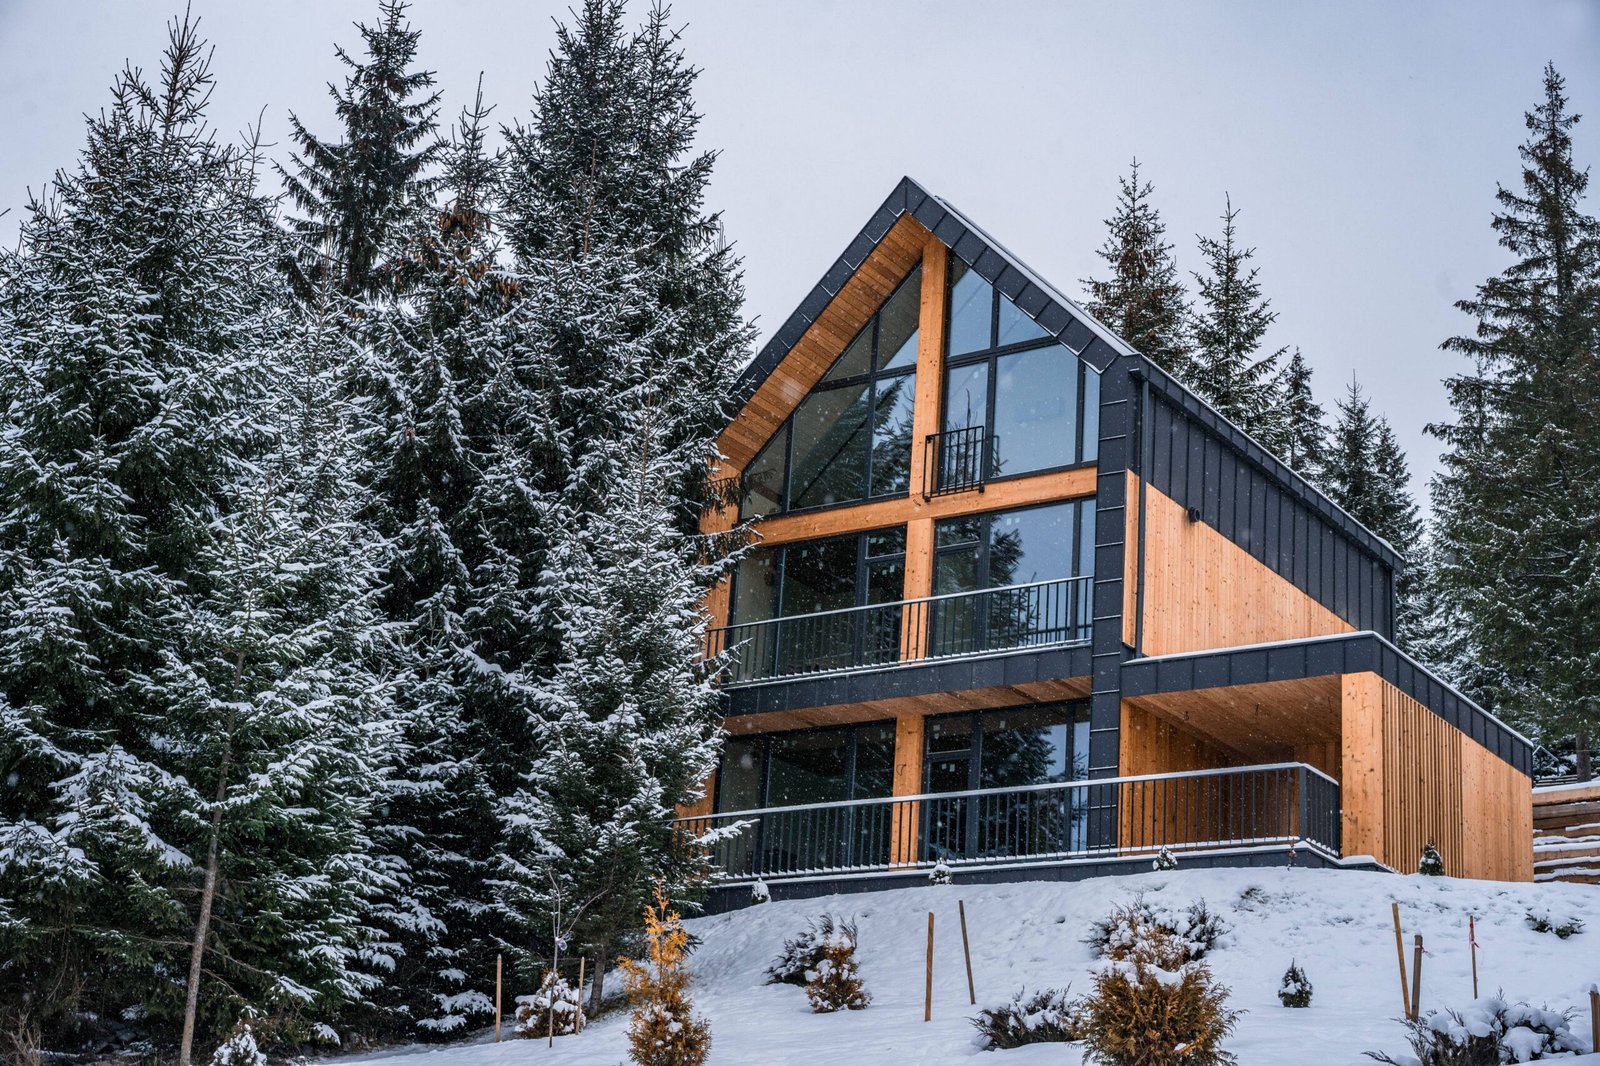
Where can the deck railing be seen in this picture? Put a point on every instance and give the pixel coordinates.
(957, 460)
(1037, 614)
(1281, 804)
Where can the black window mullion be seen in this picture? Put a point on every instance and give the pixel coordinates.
(1077, 452)
(788, 461)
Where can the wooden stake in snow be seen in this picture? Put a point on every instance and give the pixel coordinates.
(1472, 943)
(1416, 978)
(1594, 1015)
(1400, 952)
(497, 999)
(577, 1022)
(966, 951)
(927, 991)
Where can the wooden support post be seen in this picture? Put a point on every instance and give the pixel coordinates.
(966, 951)
(1594, 1016)
(1400, 952)
(927, 990)
(577, 1018)
(1416, 979)
(497, 999)
(1472, 944)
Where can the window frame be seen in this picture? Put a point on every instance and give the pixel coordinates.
(872, 379)
(863, 569)
(992, 355)
(852, 759)
(985, 542)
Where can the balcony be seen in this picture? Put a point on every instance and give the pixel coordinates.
(962, 624)
(1274, 805)
(957, 460)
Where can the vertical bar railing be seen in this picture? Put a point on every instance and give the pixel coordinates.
(957, 460)
(1207, 809)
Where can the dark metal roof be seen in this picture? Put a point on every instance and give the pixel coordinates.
(1056, 313)
(1344, 653)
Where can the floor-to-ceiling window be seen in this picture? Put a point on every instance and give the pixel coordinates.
(1006, 749)
(1024, 558)
(850, 438)
(1008, 383)
(791, 604)
(801, 769)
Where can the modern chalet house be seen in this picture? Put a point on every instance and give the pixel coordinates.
(1022, 604)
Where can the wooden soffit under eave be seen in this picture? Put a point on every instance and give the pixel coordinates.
(823, 342)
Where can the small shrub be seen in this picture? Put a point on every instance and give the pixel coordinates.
(1146, 1010)
(1540, 920)
(1488, 1032)
(664, 1030)
(1432, 863)
(239, 1049)
(1043, 1017)
(760, 893)
(802, 952)
(1194, 932)
(1164, 860)
(940, 875)
(835, 982)
(1295, 991)
(557, 997)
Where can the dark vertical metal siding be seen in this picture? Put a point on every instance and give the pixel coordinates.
(1254, 511)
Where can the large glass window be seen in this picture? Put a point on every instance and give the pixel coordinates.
(850, 439)
(1007, 749)
(1001, 578)
(1037, 402)
(791, 605)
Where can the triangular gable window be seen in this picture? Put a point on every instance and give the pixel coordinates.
(982, 318)
(850, 439)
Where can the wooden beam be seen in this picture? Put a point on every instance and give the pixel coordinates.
(928, 416)
(908, 753)
(880, 514)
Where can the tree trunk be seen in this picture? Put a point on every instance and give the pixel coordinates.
(1585, 760)
(197, 952)
(597, 989)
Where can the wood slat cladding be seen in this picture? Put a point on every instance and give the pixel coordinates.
(1201, 590)
(1409, 777)
(805, 363)
(1421, 786)
(1255, 512)
(1153, 744)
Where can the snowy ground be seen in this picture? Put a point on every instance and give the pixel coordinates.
(1337, 924)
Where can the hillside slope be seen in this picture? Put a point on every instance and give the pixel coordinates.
(1337, 924)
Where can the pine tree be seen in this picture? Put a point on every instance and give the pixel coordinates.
(1144, 299)
(355, 192)
(1229, 370)
(631, 312)
(1515, 500)
(1305, 434)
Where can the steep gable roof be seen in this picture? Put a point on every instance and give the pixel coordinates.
(1059, 315)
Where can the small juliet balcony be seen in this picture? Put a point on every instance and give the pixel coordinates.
(1038, 614)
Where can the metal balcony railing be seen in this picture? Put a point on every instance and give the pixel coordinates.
(1038, 614)
(1280, 804)
(957, 460)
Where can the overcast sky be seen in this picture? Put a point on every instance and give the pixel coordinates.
(1361, 142)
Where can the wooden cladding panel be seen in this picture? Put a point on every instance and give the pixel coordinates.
(1410, 777)
(702, 806)
(857, 300)
(1421, 785)
(1153, 744)
(1203, 591)
(1275, 721)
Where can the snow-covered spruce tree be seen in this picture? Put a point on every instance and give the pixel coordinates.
(1519, 557)
(436, 370)
(1366, 474)
(132, 367)
(1144, 298)
(1229, 369)
(631, 307)
(1303, 442)
(353, 192)
(609, 150)
(276, 719)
